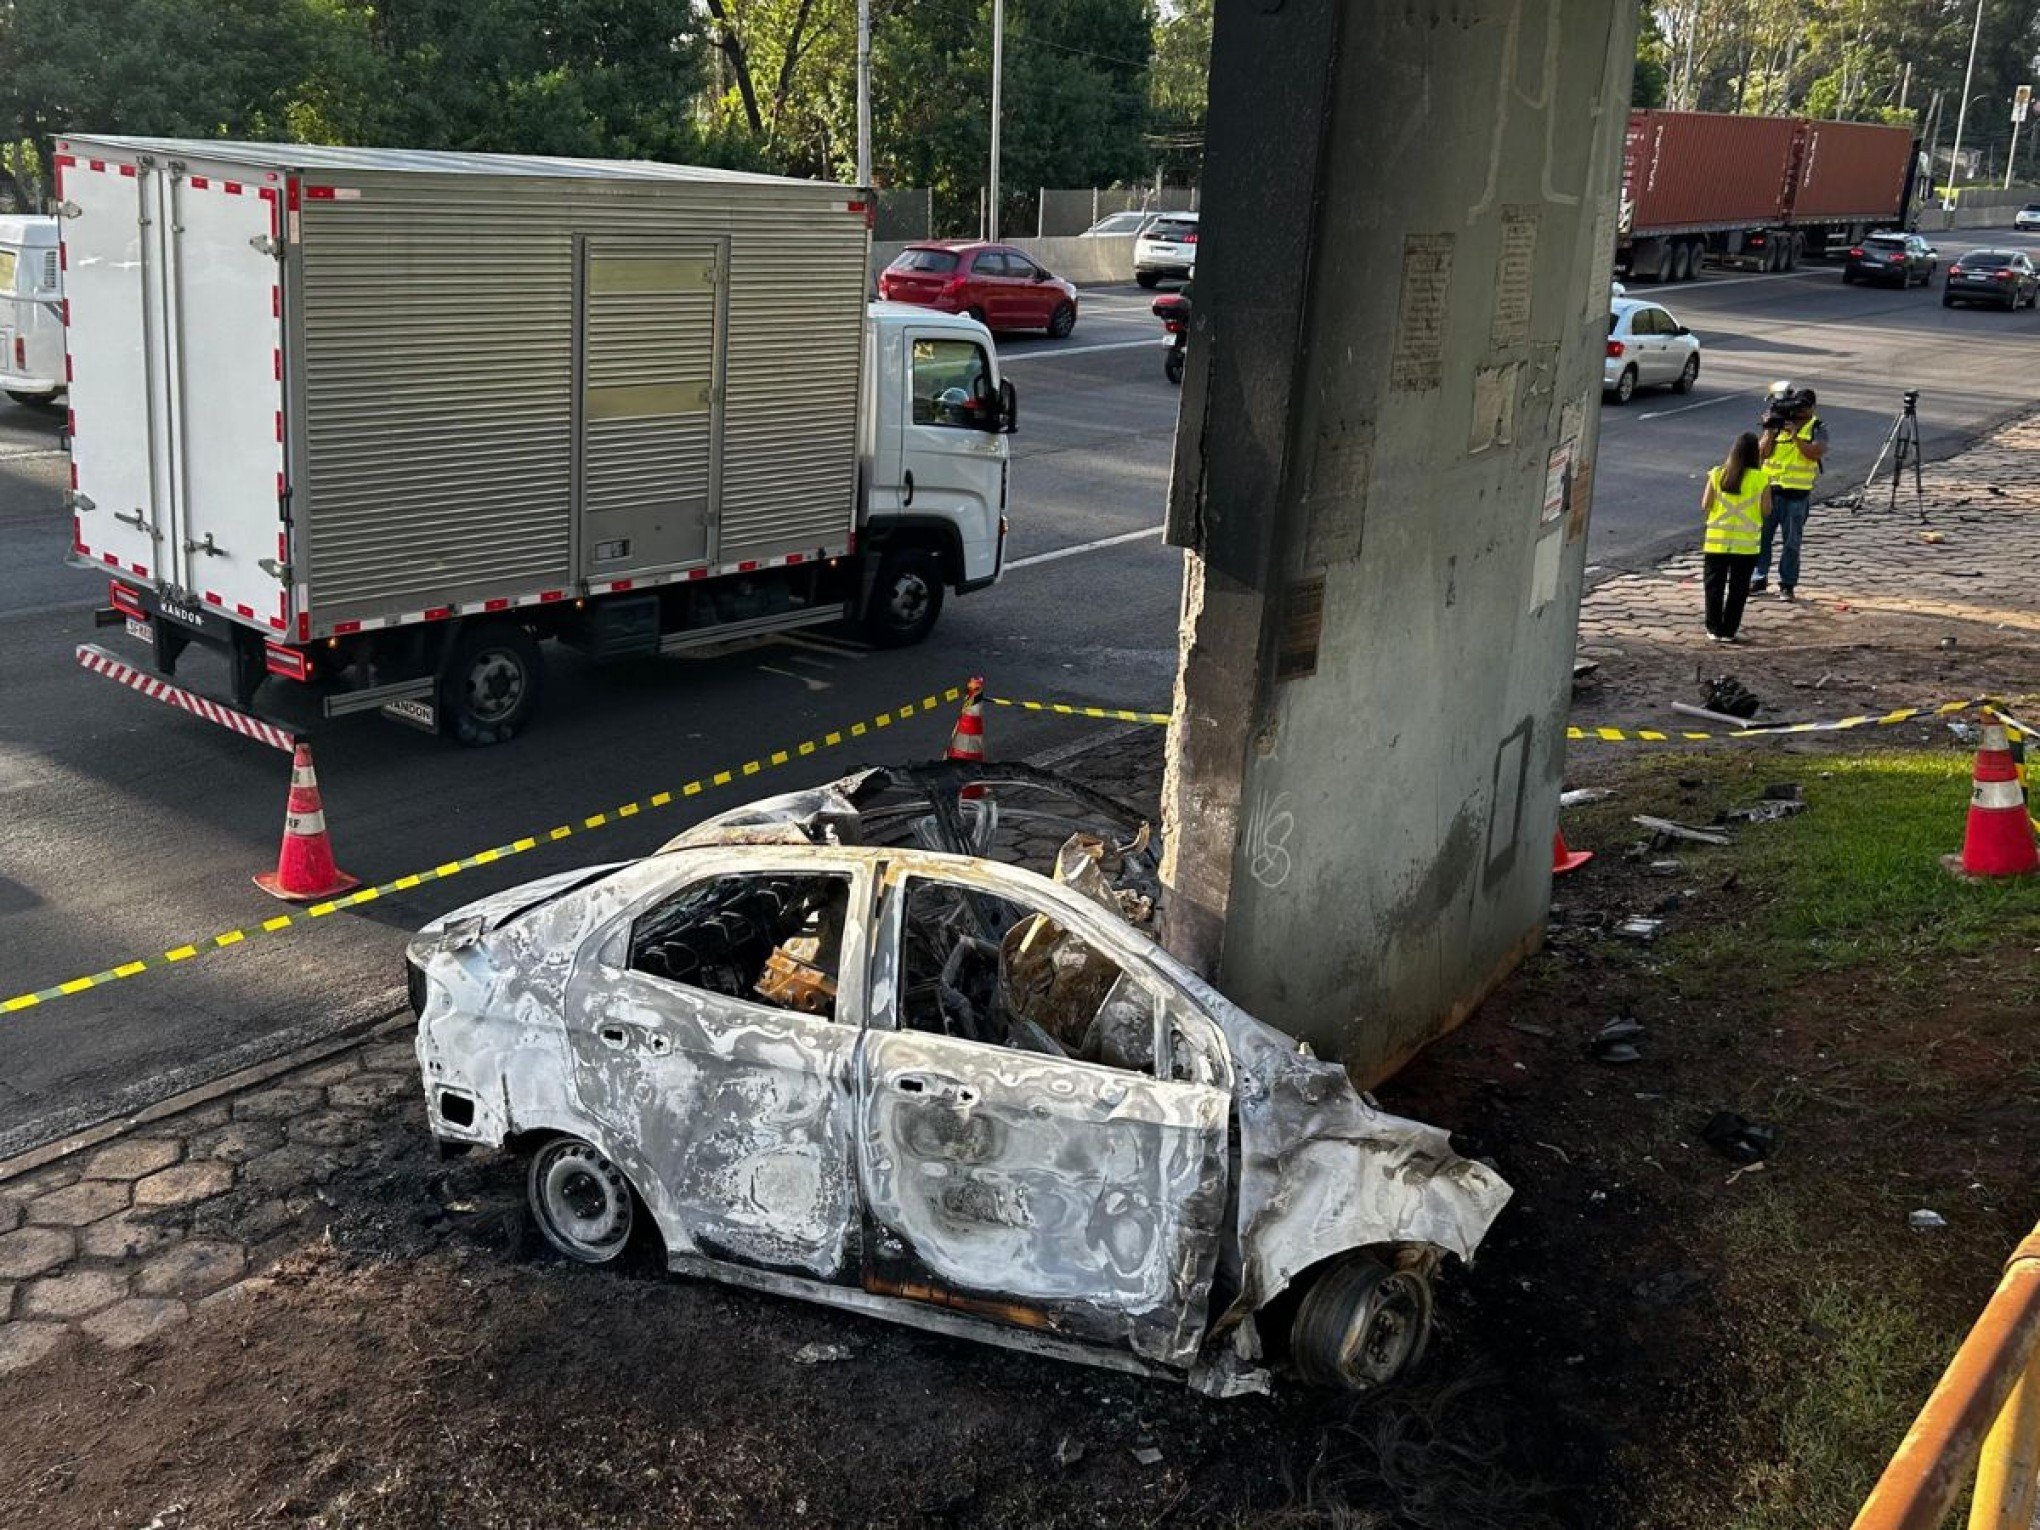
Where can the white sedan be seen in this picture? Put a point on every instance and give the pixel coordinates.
(1647, 348)
(836, 1045)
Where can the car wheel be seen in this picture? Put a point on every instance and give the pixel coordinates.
(491, 683)
(1848, 277)
(1172, 365)
(1625, 385)
(905, 599)
(1360, 1325)
(1689, 376)
(1147, 278)
(1063, 320)
(581, 1201)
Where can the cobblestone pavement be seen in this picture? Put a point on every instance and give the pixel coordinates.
(1976, 558)
(120, 1241)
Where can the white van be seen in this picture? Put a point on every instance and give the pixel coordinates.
(31, 311)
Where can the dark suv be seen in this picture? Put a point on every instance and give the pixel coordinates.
(2003, 277)
(1900, 258)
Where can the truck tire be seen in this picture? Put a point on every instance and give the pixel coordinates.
(490, 685)
(905, 598)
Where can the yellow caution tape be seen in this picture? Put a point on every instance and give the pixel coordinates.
(1070, 709)
(489, 857)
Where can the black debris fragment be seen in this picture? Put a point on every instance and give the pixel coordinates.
(1738, 1139)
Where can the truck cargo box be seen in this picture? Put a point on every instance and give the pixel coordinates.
(319, 390)
(1851, 172)
(1693, 171)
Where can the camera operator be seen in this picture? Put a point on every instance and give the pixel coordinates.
(1793, 444)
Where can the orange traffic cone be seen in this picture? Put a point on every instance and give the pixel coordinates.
(967, 739)
(1564, 860)
(1999, 839)
(304, 866)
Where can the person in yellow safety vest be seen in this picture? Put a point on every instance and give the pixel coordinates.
(1794, 445)
(1737, 504)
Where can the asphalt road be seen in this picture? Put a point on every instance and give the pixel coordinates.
(127, 830)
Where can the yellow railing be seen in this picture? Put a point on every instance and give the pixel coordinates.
(1984, 1412)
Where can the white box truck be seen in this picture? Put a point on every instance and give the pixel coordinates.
(31, 311)
(373, 423)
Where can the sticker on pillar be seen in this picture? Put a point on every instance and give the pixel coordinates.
(1494, 407)
(1557, 482)
(1582, 497)
(1513, 269)
(1418, 361)
(1572, 420)
(1335, 496)
(1544, 570)
(1303, 625)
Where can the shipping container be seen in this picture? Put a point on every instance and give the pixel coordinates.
(1852, 172)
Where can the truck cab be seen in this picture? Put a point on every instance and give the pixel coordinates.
(934, 464)
(31, 311)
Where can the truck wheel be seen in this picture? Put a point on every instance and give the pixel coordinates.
(491, 683)
(905, 599)
(1360, 1325)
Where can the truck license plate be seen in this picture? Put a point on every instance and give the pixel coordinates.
(137, 628)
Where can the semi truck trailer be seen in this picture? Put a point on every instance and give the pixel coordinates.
(1759, 193)
(371, 426)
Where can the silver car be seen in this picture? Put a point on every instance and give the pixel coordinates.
(1647, 347)
(843, 1045)
(1168, 247)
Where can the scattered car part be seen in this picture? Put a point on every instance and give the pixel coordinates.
(1739, 1139)
(1672, 829)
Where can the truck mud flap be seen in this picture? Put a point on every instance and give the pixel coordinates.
(100, 662)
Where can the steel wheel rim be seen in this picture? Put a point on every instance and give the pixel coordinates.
(1386, 1335)
(909, 599)
(583, 1200)
(495, 685)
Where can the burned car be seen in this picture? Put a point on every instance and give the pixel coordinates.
(904, 1044)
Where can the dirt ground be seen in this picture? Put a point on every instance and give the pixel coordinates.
(1622, 1353)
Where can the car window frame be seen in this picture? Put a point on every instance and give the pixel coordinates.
(610, 947)
(1173, 1006)
(986, 370)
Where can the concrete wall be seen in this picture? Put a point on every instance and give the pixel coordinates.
(1383, 462)
(1087, 262)
(1979, 208)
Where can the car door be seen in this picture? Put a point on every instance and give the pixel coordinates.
(713, 1031)
(1031, 1147)
(1034, 296)
(950, 465)
(1652, 326)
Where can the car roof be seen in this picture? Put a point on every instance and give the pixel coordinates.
(1623, 306)
(1990, 250)
(961, 246)
(1190, 216)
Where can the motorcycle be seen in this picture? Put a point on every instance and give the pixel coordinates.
(1173, 309)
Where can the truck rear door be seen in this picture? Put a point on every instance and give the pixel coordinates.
(176, 304)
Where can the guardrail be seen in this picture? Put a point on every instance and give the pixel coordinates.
(1983, 1413)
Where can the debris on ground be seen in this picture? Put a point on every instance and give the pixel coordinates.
(1924, 1220)
(1530, 1028)
(1584, 795)
(1765, 812)
(1665, 830)
(1666, 868)
(1738, 1138)
(1729, 696)
(1068, 1452)
(1147, 1455)
(821, 1354)
(1640, 928)
(1615, 1042)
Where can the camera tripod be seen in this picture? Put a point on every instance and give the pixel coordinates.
(1902, 448)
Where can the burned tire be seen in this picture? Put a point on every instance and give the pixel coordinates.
(1360, 1325)
(1172, 365)
(905, 598)
(581, 1201)
(490, 686)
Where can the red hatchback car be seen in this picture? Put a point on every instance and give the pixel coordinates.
(999, 286)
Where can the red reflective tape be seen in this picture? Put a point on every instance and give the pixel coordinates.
(291, 194)
(78, 541)
(63, 161)
(792, 558)
(98, 164)
(140, 569)
(231, 188)
(68, 375)
(547, 597)
(66, 315)
(74, 475)
(281, 488)
(109, 558)
(275, 302)
(745, 568)
(128, 171)
(212, 599)
(304, 625)
(319, 193)
(70, 422)
(63, 256)
(438, 613)
(346, 629)
(278, 623)
(269, 192)
(247, 611)
(697, 573)
(852, 547)
(279, 363)
(199, 183)
(282, 548)
(619, 584)
(495, 605)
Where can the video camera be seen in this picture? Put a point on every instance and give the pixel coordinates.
(1785, 407)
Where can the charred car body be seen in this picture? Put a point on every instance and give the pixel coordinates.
(849, 1045)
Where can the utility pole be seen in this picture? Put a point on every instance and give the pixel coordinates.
(1905, 85)
(1933, 140)
(864, 93)
(2019, 109)
(998, 81)
(1962, 116)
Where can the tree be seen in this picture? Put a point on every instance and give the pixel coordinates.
(1653, 69)
(1177, 84)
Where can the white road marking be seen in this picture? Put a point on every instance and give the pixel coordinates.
(54, 451)
(1084, 547)
(1646, 290)
(1705, 403)
(1077, 350)
(811, 684)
